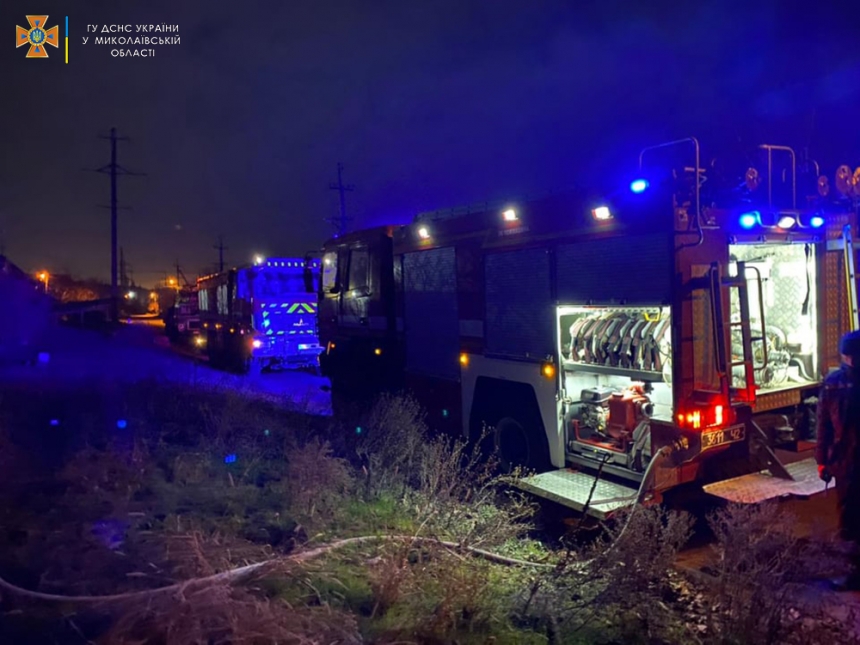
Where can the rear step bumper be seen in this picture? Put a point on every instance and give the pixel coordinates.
(572, 489)
(761, 486)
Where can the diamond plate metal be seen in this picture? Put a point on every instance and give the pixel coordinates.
(834, 310)
(757, 487)
(776, 399)
(572, 489)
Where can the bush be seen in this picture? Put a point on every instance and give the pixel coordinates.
(761, 566)
(317, 482)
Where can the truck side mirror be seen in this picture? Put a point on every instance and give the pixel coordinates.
(308, 276)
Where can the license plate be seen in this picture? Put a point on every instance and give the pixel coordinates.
(719, 437)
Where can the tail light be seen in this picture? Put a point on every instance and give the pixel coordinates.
(700, 418)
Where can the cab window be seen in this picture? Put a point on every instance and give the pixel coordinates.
(359, 268)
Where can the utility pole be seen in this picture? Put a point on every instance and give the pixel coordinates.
(123, 275)
(339, 223)
(114, 169)
(221, 248)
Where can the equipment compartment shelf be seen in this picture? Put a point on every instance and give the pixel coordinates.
(636, 375)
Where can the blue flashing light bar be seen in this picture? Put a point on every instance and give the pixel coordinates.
(294, 264)
(639, 185)
(816, 221)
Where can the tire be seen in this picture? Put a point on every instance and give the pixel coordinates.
(519, 445)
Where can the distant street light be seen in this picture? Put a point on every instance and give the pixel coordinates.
(44, 276)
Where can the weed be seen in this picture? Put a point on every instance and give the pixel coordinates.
(761, 566)
(317, 481)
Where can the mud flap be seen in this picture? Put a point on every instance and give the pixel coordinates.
(572, 489)
(758, 487)
(762, 453)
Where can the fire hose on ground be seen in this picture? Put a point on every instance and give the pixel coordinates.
(239, 573)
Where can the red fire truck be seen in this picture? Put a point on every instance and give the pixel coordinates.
(261, 316)
(675, 330)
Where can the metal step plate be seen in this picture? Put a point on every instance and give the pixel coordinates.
(572, 489)
(757, 487)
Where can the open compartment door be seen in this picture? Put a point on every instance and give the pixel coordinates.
(581, 491)
(763, 485)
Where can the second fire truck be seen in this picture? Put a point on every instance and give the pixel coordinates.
(261, 316)
(675, 330)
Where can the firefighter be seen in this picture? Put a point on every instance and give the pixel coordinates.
(837, 450)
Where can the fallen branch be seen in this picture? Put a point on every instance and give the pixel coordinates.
(239, 573)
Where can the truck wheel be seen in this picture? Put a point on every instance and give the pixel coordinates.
(519, 445)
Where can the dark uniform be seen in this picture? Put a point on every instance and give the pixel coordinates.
(837, 451)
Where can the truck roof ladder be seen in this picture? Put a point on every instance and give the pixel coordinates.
(850, 276)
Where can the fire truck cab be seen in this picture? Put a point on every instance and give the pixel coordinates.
(673, 330)
(362, 351)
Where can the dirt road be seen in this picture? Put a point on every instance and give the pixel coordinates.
(138, 350)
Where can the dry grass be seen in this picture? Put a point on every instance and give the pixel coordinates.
(762, 568)
(317, 481)
(223, 615)
(202, 483)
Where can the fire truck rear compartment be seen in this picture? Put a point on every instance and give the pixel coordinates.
(783, 315)
(616, 379)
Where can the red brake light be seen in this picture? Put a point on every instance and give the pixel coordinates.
(718, 415)
(704, 417)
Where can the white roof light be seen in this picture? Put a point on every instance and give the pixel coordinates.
(601, 213)
(786, 221)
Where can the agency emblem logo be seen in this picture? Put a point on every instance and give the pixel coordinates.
(37, 36)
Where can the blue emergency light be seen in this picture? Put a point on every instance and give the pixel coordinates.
(748, 220)
(783, 221)
(639, 185)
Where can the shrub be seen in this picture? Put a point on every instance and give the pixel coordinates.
(316, 480)
(761, 565)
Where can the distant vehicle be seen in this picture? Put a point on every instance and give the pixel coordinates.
(673, 333)
(257, 317)
(182, 320)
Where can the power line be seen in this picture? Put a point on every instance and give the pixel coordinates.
(339, 223)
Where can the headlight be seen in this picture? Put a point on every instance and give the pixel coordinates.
(257, 343)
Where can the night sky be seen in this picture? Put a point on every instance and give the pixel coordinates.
(428, 103)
